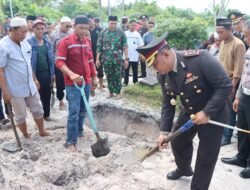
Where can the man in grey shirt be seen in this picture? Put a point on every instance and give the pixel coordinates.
(18, 84)
(57, 35)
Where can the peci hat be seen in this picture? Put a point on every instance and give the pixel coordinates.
(223, 22)
(36, 22)
(235, 16)
(31, 17)
(153, 48)
(81, 19)
(143, 17)
(17, 21)
(113, 18)
(65, 19)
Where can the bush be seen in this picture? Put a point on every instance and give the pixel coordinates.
(183, 32)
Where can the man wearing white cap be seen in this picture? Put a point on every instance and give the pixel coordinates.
(18, 84)
(63, 31)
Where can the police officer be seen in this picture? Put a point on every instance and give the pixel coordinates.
(242, 105)
(203, 87)
(238, 22)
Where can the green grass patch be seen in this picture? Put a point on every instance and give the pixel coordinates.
(140, 94)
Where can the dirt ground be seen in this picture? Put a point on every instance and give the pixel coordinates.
(44, 164)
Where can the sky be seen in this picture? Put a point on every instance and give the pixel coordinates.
(196, 5)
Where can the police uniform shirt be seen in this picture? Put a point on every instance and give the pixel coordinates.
(201, 83)
(245, 78)
(231, 56)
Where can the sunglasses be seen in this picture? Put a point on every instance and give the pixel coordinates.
(68, 26)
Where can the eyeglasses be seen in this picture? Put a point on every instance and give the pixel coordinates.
(68, 26)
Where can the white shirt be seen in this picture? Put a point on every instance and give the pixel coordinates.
(16, 61)
(134, 41)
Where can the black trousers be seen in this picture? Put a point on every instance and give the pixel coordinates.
(208, 150)
(143, 69)
(244, 123)
(60, 85)
(45, 91)
(134, 66)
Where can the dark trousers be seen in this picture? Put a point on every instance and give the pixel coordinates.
(45, 91)
(1, 106)
(228, 133)
(143, 69)
(244, 123)
(60, 85)
(208, 150)
(134, 66)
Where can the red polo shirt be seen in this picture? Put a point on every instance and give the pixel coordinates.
(78, 57)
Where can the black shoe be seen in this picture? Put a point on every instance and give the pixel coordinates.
(234, 161)
(225, 142)
(176, 174)
(245, 173)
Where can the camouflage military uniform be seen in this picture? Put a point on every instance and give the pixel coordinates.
(111, 45)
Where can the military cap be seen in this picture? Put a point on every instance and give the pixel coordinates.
(235, 16)
(151, 50)
(31, 17)
(113, 18)
(143, 17)
(81, 19)
(223, 22)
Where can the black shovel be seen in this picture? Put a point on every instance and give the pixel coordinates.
(12, 147)
(101, 147)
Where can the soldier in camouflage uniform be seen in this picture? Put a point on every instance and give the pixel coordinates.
(111, 45)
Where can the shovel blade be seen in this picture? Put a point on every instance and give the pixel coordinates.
(100, 148)
(10, 147)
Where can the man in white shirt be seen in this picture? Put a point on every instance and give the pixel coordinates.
(134, 41)
(17, 82)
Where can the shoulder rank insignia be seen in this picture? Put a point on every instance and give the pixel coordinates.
(191, 53)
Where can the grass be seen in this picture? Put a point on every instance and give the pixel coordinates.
(140, 94)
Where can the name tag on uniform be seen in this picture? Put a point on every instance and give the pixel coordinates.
(191, 79)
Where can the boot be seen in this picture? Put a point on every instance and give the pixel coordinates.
(246, 172)
(23, 129)
(40, 126)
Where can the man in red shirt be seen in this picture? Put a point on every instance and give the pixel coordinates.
(75, 59)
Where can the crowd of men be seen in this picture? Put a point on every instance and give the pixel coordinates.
(210, 83)
(62, 54)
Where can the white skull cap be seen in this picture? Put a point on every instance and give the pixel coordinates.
(65, 19)
(18, 21)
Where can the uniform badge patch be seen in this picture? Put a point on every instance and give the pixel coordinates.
(191, 53)
(191, 79)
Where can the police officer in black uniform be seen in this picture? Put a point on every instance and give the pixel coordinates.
(238, 22)
(203, 87)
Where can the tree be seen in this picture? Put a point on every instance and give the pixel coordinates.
(183, 33)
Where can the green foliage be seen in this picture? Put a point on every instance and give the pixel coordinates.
(144, 95)
(183, 32)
